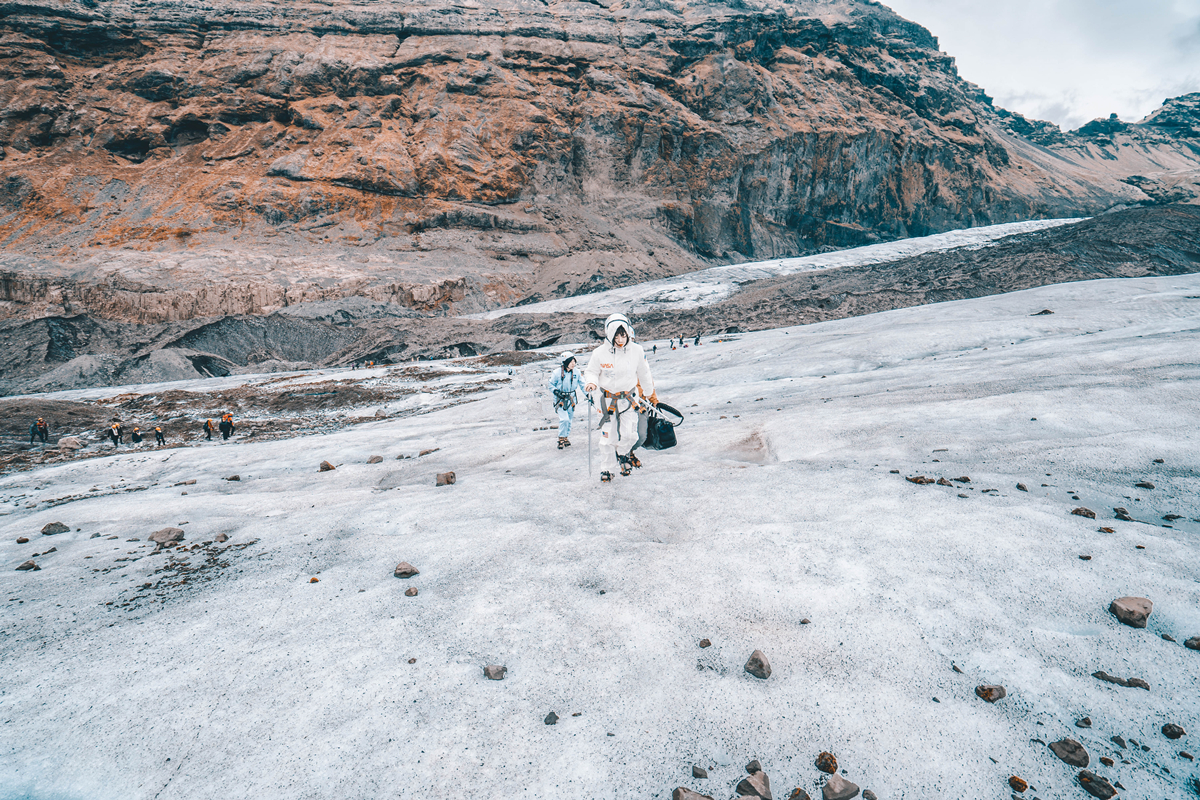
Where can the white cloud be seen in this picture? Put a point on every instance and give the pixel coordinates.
(1070, 61)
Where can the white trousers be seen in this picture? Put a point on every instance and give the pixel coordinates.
(614, 440)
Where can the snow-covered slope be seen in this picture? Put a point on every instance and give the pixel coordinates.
(714, 284)
(226, 672)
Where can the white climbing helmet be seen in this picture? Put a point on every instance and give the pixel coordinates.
(614, 322)
(566, 358)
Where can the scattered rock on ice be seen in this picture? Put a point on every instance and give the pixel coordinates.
(1096, 786)
(838, 788)
(1041, 313)
(1132, 611)
(70, 443)
(753, 767)
(705, 643)
(1144, 485)
(410, 591)
(551, 718)
(405, 570)
(445, 478)
(1106, 761)
(166, 536)
(1071, 752)
(375, 460)
(234, 478)
(756, 785)
(495, 672)
(758, 666)
(24, 540)
(1018, 784)
(325, 467)
(991, 693)
(1166, 637)
(1084, 512)
(53, 528)
(869, 795)
(826, 762)
(1192, 643)
(1118, 741)
(1086, 722)
(220, 537)
(944, 482)
(799, 794)
(1108, 530)
(1122, 514)
(920, 480)
(699, 772)
(682, 793)
(1131, 683)
(1173, 731)
(28, 566)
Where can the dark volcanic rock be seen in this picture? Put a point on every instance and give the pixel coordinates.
(1173, 731)
(699, 772)
(1071, 752)
(1095, 785)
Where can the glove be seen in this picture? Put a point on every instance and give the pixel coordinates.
(653, 399)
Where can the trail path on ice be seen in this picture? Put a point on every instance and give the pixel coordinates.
(715, 284)
(249, 681)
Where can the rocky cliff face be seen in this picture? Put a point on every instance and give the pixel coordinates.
(165, 160)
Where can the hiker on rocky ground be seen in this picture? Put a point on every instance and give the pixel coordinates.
(136, 436)
(697, 342)
(158, 436)
(655, 350)
(619, 371)
(208, 429)
(115, 433)
(564, 386)
(39, 429)
(227, 426)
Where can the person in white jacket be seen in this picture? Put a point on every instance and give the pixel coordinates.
(619, 371)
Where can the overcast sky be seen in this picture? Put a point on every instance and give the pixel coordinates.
(1069, 61)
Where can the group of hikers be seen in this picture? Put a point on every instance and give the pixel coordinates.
(617, 381)
(40, 429)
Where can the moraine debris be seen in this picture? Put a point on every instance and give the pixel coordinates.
(445, 479)
(756, 784)
(1084, 512)
(326, 467)
(1017, 783)
(1071, 752)
(405, 570)
(683, 793)
(1173, 731)
(54, 527)
(28, 566)
(1095, 785)
(838, 788)
(494, 672)
(699, 772)
(827, 763)
(1131, 683)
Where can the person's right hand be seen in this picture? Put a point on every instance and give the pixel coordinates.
(589, 388)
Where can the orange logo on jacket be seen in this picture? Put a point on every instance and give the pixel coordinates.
(606, 366)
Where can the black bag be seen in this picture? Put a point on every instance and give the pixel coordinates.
(660, 427)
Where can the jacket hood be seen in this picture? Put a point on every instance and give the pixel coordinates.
(614, 323)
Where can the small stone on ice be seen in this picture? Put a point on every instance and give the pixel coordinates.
(1018, 784)
(758, 666)
(1132, 611)
(410, 591)
(756, 785)
(1096, 786)
(405, 570)
(494, 672)
(28, 566)
(1086, 722)
(682, 793)
(991, 693)
(1070, 752)
(326, 467)
(699, 772)
(1084, 512)
(705, 643)
(1173, 731)
(551, 718)
(826, 762)
(838, 788)
(753, 767)
(54, 527)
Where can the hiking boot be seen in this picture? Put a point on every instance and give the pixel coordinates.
(625, 468)
(633, 461)
(606, 477)
(566, 442)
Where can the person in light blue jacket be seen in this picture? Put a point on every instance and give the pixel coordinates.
(564, 386)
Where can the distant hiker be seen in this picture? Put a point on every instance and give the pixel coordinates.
(564, 386)
(208, 429)
(40, 429)
(136, 436)
(226, 426)
(115, 433)
(697, 342)
(618, 368)
(158, 436)
(655, 350)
